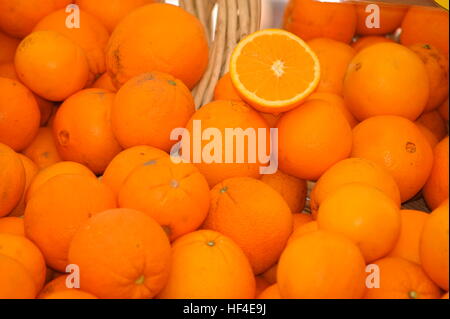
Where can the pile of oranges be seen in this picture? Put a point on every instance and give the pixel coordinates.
(95, 202)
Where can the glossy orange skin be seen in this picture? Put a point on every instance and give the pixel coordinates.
(12, 225)
(222, 115)
(426, 25)
(334, 58)
(402, 279)
(321, 265)
(403, 90)
(366, 41)
(104, 82)
(17, 282)
(111, 12)
(43, 60)
(142, 269)
(42, 150)
(312, 138)
(434, 122)
(310, 19)
(126, 161)
(9, 46)
(250, 212)
(27, 254)
(398, 145)
(70, 294)
(12, 179)
(82, 129)
(271, 292)
(17, 18)
(292, 189)
(407, 246)
(225, 90)
(92, 36)
(58, 209)
(175, 195)
(391, 17)
(436, 189)
(136, 46)
(151, 98)
(227, 276)
(19, 114)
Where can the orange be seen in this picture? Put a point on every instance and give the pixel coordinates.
(279, 79)
(250, 213)
(17, 282)
(126, 161)
(271, 292)
(175, 195)
(19, 114)
(321, 265)
(334, 58)
(443, 110)
(433, 122)
(407, 246)
(366, 41)
(151, 98)
(398, 145)
(27, 254)
(42, 150)
(43, 61)
(304, 229)
(426, 25)
(310, 19)
(430, 136)
(404, 90)
(312, 138)
(121, 253)
(225, 90)
(292, 189)
(58, 208)
(436, 64)
(337, 101)
(175, 43)
(260, 284)
(270, 275)
(89, 141)
(9, 46)
(70, 294)
(270, 118)
(227, 276)
(221, 116)
(363, 214)
(434, 246)
(104, 82)
(390, 18)
(12, 179)
(12, 225)
(301, 219)
(60, 168)
(55, 285)
(353, 170)
(402, 279)
(111, 12)
(91, 36)
(436, 189)
(17, 18)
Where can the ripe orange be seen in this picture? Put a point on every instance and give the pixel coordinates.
(321, 265)
(250, 213)
(312, 138)
(223, 116)
(271, 292)
(82, 129)
(398, 145)
(121, 253)
(42, 150)
(434, 246)
(353, 170)
(334, 58)
(443, 110)
(280, 79)
(270, 275)
(292, 189)
(365, 215)
(225, 90)
(430, 137)
(151, 98)
(436, 189)
(390, 18)
(434, 123)
(404, 90)
(227, 276)
(104, 82)
(175, 195)
(43, 61)
(307, 228)
(407, 246)
(19, 114)
(174, 42)
(55, 285)
(12, 225)
(9, 46)
(70, 294)
(126, 161)
(426, 25)
(58, 208)
(300, 219)
(366, 41)
(311, 19)
(17, 282)
(260, 284)
(12, 179)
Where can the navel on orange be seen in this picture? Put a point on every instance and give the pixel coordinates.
(274, 70)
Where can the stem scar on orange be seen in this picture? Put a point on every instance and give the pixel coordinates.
(274, 70)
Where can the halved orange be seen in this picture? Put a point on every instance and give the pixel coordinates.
(274, 70)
